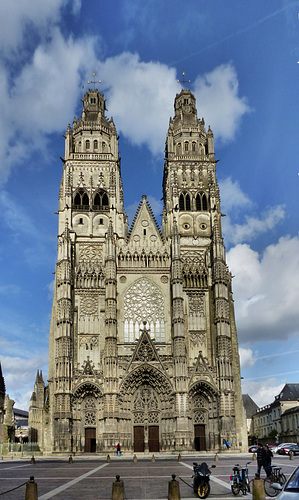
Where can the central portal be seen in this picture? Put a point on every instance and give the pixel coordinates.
(90, 440)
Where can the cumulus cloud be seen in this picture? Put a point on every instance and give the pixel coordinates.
(140, 98)
(235, 232)
(19, 375)
(262, 393)
(16, 17)
(232, 195)
(247, 358)
(266, 290)
(217, 95)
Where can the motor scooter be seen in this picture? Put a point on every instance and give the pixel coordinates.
(201, 479)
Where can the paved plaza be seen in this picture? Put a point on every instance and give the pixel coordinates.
(91, 477)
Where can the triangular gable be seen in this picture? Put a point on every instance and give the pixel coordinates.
(202, 371)
(144, 223)
(145, 350)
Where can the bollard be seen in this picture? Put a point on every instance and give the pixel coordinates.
(291, 455)
(254, 456)
(174, 489)
(31, 490)
(258, 489)
(134, 459)
(108, 459)
(216, 457)
(32, 461)
(118, 490)
(179, 458)
(153, 459)
(70, 459)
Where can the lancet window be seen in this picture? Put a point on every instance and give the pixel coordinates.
(101, 200)
(201, 202)
(184, 201)
(144, 301)
(81, 200)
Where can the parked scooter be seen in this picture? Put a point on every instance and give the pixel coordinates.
(201, 479)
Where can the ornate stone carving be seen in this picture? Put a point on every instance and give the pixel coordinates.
(197, 337)
(90, 418)
(196, 304)
(89, 305)
(90, 251)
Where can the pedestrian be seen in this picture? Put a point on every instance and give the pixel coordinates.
(118, 449)
(224, 444)
(260, 459)
(228, 444)
(267, 456)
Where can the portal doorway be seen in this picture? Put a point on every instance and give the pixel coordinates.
(90, 440)
(200, 437)
(139, 439)
(153, 438)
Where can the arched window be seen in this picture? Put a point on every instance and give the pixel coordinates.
(193, 146)
(87, 144)
(198, 202)
(101, 201)
(95, 144)
(184, 201)
(201, 202)
(204, 202)
(81, 200)
(186, 146)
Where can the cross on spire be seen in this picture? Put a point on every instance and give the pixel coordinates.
(94, 81)
(183, 81)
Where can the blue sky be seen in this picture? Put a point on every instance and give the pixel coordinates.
(242, 60)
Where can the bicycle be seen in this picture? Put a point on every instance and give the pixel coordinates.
(239, 480)
(275, 477)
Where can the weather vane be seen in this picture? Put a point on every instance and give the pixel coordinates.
(183, 81)
(94, 81)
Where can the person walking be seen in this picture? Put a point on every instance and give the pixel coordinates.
(259, 458)
(118, 449)
(267, 456)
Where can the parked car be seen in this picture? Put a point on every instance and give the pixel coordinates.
(286, 450)
(290, 491)
(282, 445)
(252, 449)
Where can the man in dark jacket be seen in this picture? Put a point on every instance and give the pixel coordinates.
(259, 458)
(267, 455)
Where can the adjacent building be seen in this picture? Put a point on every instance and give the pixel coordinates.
(143, 347)
(280, 418)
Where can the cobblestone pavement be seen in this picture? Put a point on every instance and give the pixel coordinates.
(91, 477)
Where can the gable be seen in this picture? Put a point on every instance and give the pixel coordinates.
(144, 226)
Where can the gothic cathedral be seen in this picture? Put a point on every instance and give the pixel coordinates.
(143, 347)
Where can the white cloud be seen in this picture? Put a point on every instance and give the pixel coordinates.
(253, 226)
(19, 375)
(16, 17)
(232, 195)
(44, 96)
(218, 101)
(262, 393)
(247, 358)
(266, 290)
(140, 98)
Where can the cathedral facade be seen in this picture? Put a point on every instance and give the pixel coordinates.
(143, 347)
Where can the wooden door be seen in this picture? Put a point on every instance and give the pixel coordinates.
(199, 437)
(139, 439)
(153, 438)
(90, 440)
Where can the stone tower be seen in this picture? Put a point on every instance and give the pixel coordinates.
(143, 344)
